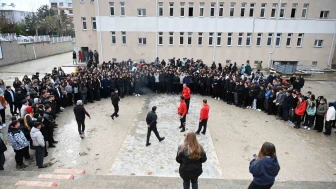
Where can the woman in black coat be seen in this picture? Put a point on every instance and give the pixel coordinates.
(190, 155)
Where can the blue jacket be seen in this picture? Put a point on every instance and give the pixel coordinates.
(17, 139)
(268, 94)
(264, 170)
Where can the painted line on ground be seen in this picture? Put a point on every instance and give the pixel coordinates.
(36, 183)
(52, 176)
(70, 171)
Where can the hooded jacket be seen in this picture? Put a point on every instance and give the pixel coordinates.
(190, 167)
(37, 137)
(17, 139)
(321, 109)
(264, 170)
(301, 108)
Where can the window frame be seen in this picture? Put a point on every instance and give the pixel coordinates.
(301, 40)
(269, 39)
(221, 9)
(200, 36)
(289, 37)
(211, 39)
(181, 37)
(111, 4)
(274, 9)
(201, 9)
(171, 9)
(189, 37)
(191, 6)
(240, 39)
(83, 19)
(142, 12)
(259, 37)
(123, 34)
(160, 8)
(160, 36)
(171, 37)
(252, 6)
(324, 14)
(242, 9)
(278, 36)
(113, 36)
(142, 41)
(212, 8)
(182, 7)
(93, 20)
(283, 10)
(232, 9)
(229, 36)
(305, 10)
(122, 8)
(294, 8)
(263, 9)
(317, 44)
(248, 38)
(219, 39)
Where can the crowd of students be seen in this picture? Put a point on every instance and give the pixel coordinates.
(35, 102)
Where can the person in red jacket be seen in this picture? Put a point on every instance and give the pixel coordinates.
(182, 111)
(299, 111)
(186, 95)
(204, 115)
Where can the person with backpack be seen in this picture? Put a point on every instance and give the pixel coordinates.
(19, 142)
(3, 148)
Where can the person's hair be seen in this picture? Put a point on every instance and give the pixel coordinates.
(267, 149)
(192, 145)
(312, 97)
(47, 107)
(14, 118)
(154, 108)
(36, 124)
(14, 122)
(79, 102)
(182, 97)
(205, 101)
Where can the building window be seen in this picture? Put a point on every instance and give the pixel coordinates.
(53, 5)
(269, 39)
(293, 10)
(182, 9)
(112, 9)
(84, 26)
(259, 37)
(229, 39)
(160, 9)
(251, 14)
(70, 11)
(122, 9)
(262, 10)
(300, 39)
(61, 4)
(113, 35)
(94, 23)
(141, 12)
(69, 4)
(289, 40)
(191, 10)
(314, 63)
(274, 8)
(189, 38)
(283, 10)
(324, 14)
(305, 10)
(219, 39)
(211, 39)
(232, 6)
(142, 41)
(160, 38)
(201, 10)
(242, 9)
(171, 9)
(221, 9)
(92, 1)
(181, 38)
(200, 38)
(318, 43)
(171, 38)
(240, 39)
(248, 39)
(212, 9)
(123, 38)
(278, 40)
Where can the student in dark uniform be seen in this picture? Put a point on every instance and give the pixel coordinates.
(115, 102)
(151, 121)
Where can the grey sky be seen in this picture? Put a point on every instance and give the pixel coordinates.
(25, 5)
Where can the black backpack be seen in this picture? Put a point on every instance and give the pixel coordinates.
(3, 147)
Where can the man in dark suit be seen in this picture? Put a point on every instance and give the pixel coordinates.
(115, 102)
(58, 97)
(151, 123)
(10, 98)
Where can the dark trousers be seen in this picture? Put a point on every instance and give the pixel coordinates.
(187, 101)
(201, 124)
(39, 155)
(256, 186)
(260, 104)
(309, 120)
(285, 113)
(298, 120)
(50, 136)
(328, 127)
(186, 183)
(2, 160)
(19, 157)
(183, 121)
(77, 97)
(26, 154)
(12, 108)
(149, 131)
(116, 109)
(319, 123)
(3, 117)
(69, 99)
(81, 126)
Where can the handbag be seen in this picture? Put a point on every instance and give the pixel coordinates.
(3, 147)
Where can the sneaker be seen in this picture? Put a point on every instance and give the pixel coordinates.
(258, 110)
(61, 108)
(215, 98)
(308, 129)
(139, 95)
(4, 125)
(305, 127)
(218, 98)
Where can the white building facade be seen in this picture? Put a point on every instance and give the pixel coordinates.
(301, 32)
(13, 12)
(65, 5)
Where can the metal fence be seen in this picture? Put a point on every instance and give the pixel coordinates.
(34, 39)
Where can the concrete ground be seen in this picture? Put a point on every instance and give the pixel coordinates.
(234, 135)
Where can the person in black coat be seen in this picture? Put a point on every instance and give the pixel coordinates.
(115, 102)
(229, 92)
(151, 121)
(286, 104)
(261, 98)
(80, 113)
(10, 99)
(190, 155)
(19, 97)
(50, 124)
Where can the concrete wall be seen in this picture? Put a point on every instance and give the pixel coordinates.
(13, 53)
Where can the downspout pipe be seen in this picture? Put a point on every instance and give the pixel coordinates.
(275, 34)
(331, 49)
(100, 35)
(215, 32)
(157, 28)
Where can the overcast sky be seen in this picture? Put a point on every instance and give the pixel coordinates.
(26, 5)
